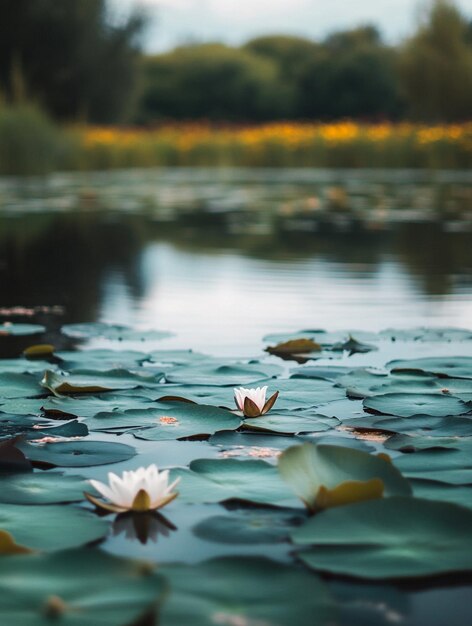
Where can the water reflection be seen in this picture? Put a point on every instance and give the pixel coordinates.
(222, 287)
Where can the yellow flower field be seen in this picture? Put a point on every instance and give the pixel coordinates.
(285, 144)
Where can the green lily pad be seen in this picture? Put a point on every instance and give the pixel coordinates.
(291, 422)
(11, 425)
(434, 490)
(309, 469)
(245, 590)
(222, 373)
(73, 428)
(42, 488)
(409, 443)
(77, 588)
(112, 332)
(24, 366)
(452, 466)
(427, 334)
(87, 406)
(447, 366)
(20, 330)
(363, 383)
(51, 527)
(249, 526)
(22, 406)
(102, 359)
(409, 404)
(13, 385)
(165, 421)
(418, 425)
(389, 538)
(91, 381)
(77, 453)
(220, 480)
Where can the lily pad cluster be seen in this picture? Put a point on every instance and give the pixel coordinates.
(348, 469)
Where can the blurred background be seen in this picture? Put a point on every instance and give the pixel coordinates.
(216, 167)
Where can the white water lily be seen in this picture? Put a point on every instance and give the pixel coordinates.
(252, 402)
(145, 489)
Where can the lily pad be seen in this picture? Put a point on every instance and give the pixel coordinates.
(87, 406)
(249, 526)
(42, 488)
(223, 373)
(323, 476)
(452, 466)
(91, 381)
(77, 588)
(434, 490)
(362, 383)
(448, 366)
(51, 527)
(427, 334)
(102, 359)
(220, 480)
(389, 538)
(112, 332)
(77, 453)
(291, 422)
(168, 421)
(20, 330)
(245, 590)
(13, 385)
(417, 425)
(409, 404)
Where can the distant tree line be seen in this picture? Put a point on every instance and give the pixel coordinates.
(71, 60)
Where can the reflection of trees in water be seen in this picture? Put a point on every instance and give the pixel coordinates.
(63, 259)
(67, 258)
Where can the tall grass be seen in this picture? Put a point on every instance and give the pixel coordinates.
(30, 143)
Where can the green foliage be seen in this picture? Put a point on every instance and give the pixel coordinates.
(435, 66)
(29, 142)
(210, 81)
(69, 57)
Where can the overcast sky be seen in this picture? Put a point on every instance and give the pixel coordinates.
(234, 21)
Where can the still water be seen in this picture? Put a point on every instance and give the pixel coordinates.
(222, 258)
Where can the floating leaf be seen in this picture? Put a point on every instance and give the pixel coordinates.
(51, 527)
(249, 526)
(13, 385)
(452, 466)
(210, 480)
(77, 588)
(388, 538)
(88, 381)
(294, 348)
(19, 330)
(77, 453)
(447, 366)
(222, 373)
(39, 350)
(291, 422)
(42, 488)
(112, 332)
(167, 421)
(408, 404)
(245, 590)
(324, 476)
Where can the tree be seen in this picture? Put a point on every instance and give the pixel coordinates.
(210, 81)
(436, 66)
(68, 57)
(351, 75)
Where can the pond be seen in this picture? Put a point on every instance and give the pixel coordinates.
(132, 269)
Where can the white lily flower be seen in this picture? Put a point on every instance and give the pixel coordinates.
(252, 402)
(146, 489)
